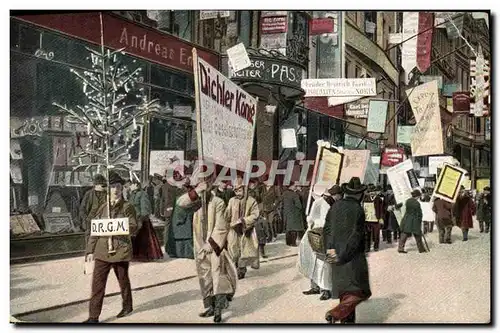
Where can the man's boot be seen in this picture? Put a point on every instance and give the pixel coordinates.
(209, 304)
(351, 319)
(325, 295)
(220, 303)
(389, 237)
(487, 228)
(481, 226)
(262, 250)
(465, 234)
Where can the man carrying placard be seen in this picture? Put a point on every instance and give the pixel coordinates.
(116, 257)
(373, 223)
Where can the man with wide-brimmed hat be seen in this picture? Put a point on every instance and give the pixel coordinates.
(118, 258)
(242, 212)
(344, 241)
(310, 264)
(411, 224)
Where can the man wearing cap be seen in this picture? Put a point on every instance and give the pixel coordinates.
(411, 223)
(92, 200)
(464, 210)
(343, 233)
(242, 213)
(312, 267)
(117, 258)
(216, 273)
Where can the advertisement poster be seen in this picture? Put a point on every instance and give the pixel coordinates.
(377, 116)
(436, 162)
(358, 109)
(369, 208)
(226, 117)
(354, 165)
(404, 134)
(428, 133)
(273, 25)
(339, 87)
(329, 170)
(448, 183)
(398, 178)
(392, 156)
(238, 57)
(161, 160)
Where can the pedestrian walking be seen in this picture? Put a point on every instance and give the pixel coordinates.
(411, 223)
(242, 213)
(464, 208)
(216, 273)
(261, 225)
(117, 258)
(487, 209)
(345, 243)
(145, 244)
(444, 216)
(270, 200)
(293, 216)
(391, 225)
(371, 203)
(484, 210)
(311, 263)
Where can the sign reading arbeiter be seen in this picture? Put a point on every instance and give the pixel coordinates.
(226, 117)
(339, 87)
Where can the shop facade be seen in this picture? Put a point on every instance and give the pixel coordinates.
(43, 49)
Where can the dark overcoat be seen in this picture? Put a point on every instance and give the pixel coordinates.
(487, 208)
(344, 231)
(142, 205)
(293, 211)
(464, 210)
(412, 221)
(180, 231)
(480, 207)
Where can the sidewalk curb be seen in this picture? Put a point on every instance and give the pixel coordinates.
(59, 306)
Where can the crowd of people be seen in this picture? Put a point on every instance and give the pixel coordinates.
(225, 227)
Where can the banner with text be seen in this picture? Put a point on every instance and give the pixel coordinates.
(424, 40)
(428, 133)
(479, 85)
(409, 47)
(354, 165)
(339, 87)
(377, 115)
(226, 117)
(449, 182)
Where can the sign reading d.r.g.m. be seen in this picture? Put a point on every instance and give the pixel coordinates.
(226, 116)
(110, 227)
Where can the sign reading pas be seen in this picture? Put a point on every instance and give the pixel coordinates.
(339, 87)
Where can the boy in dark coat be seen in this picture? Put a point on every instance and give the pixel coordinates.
(412, 223)
(464, 210)
(344, 241)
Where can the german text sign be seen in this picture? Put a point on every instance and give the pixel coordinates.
(110, 227)
(377, 115)
(339, 87)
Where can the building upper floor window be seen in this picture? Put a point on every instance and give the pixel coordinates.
(177, 22)
(370, 25)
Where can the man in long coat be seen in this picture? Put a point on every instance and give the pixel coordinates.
(242, 213)
(464, 210)
(344, 239)
(293, 215)
(312, 267)
(117, 258)
(216, 272)
(444, 217)
(270, 200)
(487, 208)
(412, 223)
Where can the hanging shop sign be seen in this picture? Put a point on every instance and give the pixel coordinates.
(358, 109)
(392, 157)
(428, 133)
(339, 87)
(226, 118)
(139, 41)
(479, 85)
(320, 26)
(404, 134)
(377, 116)
(320, 105)
(212, 14)
(448, 184)
(449, 89)
(424, 41)
(273, 25)
(461, 102)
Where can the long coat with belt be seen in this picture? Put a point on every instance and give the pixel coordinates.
(216, 272)
(243, 249)
(98, 245)
(412, 220)
(464, 210)
(293, 211)
(344, 231)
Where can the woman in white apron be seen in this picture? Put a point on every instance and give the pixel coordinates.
(313, 268)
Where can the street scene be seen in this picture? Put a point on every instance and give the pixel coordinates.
(217, 167)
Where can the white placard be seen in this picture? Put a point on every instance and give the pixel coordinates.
(427, 214)
(238, 57)
(421, 182)
(339, 87)
(436, 162)
(354, 165)
(399, 180)
(288, 138)
(211, 14)
(110, 227)
(161, 160)
(226, 118)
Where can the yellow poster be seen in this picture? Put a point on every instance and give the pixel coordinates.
(448, 184)
(482, 183)
(332, 166)
(370, 215)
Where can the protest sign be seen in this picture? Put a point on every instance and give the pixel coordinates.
(428, 135)
(466, 182)
(392, 156)
(161, 160)
(110, 227)
(400, 182)
(288, 138)
(377, 115)
(226, 117)
(436, 162)
(428, 214)
(448, 184)
(369, 208)
(354, 165)
(238, 57)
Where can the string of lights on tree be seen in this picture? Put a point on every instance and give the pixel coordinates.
(115, 109)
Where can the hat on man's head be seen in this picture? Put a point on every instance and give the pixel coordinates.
(115, 178)
(335, 189)
(416, 193)
(354, 186)
(487, 188)
(99, 180)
